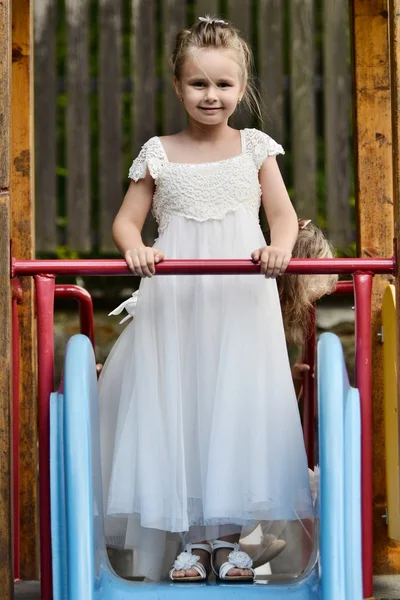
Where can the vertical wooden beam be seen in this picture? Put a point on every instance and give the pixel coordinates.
(174, 20)
(373, 137)
(110, 110)
(6, 557)
(337, 106)
(206, 7)
(79, 230)
(239, 13)
(302, 96)
(144, 85)
(45, 117)
(270, 64)
(22, 233)
(394, 42)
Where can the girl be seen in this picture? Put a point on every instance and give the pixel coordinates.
(196, 397)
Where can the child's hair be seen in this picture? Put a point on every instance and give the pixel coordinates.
(298, 292)
(211, 32)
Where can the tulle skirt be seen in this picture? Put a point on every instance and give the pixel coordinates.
(199, 421)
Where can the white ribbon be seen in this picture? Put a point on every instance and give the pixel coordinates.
(129, 305)
(208, 19)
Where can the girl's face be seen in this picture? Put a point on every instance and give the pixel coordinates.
(210, 85)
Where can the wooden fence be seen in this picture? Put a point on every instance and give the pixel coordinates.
(101, 99)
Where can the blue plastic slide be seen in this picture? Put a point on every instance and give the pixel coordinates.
(81, 570)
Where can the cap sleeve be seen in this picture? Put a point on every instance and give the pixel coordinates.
(151, 157)
(260, 145)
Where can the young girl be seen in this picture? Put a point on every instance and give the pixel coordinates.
(200, 431)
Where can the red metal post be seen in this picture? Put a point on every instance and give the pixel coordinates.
(44, 285)
(85, 306)
(16, 299)
(362, 297)
(309, 393)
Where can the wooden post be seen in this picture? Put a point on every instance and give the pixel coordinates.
(22, 233)
(394, 42)
(174, 20)
(337, 103)
(302, 101)
(373, 135)
(144, 85)
(110, 109)
(79, 226)
(6, 557)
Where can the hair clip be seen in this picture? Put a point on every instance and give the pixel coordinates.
(210, 20)
(303, 223)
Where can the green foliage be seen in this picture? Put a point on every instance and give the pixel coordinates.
(65, 252)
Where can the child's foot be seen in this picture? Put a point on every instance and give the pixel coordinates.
(192, 564)
(204, 560)
(221, 556)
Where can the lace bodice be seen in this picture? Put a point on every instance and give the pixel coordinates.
(204, 191)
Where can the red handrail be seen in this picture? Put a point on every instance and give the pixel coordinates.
(200, 267)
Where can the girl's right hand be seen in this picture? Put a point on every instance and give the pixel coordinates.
(142, 261)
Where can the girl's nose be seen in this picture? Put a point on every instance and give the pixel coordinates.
(211, 94)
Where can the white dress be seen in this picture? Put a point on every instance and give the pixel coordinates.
(199, 419)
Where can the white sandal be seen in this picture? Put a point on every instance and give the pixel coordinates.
(186, 560)
(236, 559)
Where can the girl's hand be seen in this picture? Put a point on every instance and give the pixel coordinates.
(142, 261)
(274, 260)
(298, 369)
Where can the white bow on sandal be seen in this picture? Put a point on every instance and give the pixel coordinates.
(236, 560)
(186, 561)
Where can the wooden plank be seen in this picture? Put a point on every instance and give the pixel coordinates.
(5, 95)
(373, 136)
(143, 71)
(45, 120)
(206, 7)
(110, 113)
(239, 13)
(23, 236)
(337, 111)
(174, 20)
(6, 555)
(302, 96)
(270, 65)
(394, 41)
(78, 133)
(144, 85)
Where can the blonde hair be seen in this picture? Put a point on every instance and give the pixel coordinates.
(215, 33)
(298, 292)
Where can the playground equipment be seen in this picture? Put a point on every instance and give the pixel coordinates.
(343, 494)
(375, 36)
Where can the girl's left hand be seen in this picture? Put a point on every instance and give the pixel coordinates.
(273, 259)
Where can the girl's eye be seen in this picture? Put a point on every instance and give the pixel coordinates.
(198, 84)
(223, 84)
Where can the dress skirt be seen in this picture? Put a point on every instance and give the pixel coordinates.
(199, 420)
